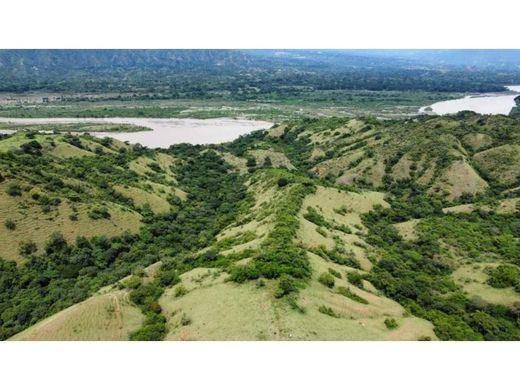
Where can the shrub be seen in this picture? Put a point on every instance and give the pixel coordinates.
(132, 282)
(346, 292)
(322, 232)
(56, 244)
(14, 190)
(168, 277)
(326, 279)
(155, 167)
(286, 285)
(32, 147)
(27, 248)
(355, 279)
(10, 224)
(335, 273)
(316, 218)
(99, 213)
(185, 320)
(180, 291)
(291, 300)
(328, 311)
(391, 323)
(154, 329)
(505, 275)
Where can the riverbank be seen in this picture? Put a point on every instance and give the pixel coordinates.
(487, 104)
(160, 132)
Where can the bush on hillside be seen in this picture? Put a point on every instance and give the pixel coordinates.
(27, 248)
(355, 278)
(326, 279)
(14, 190)
(10, 224)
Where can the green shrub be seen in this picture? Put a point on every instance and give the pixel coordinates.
(326, 279)
(391, 323)
(168, 277)
(99, 213)
(132, 282)
(154, 329)
(316, 218)
(286, 285)
(345, 291)
(32, 147)
(505, 275)
(185, 320)
(355, 278)
(291, 300)
(10, 224)
(321, 231)
(328, 311)
(14, 190)
(27, 248)
(180, 291)
(335, 273)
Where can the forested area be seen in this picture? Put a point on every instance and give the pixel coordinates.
(241, 75)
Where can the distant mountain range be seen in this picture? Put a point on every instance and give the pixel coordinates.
(264, 70)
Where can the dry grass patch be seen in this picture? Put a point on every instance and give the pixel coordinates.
(477, 141)
(501, 163)
(32, 224)
(407, 229)
(142, 197)
(473, 279)
(460, 178)
(278, 159)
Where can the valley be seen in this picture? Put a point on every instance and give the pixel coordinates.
(314, 229)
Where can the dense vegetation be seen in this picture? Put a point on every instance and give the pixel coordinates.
(66, 273)
(418, 273)
(242, 74)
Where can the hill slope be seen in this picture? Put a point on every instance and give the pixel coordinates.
(316, 229)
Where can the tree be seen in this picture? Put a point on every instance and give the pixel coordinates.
(282, 182)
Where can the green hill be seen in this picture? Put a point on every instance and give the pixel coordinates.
(317, 229)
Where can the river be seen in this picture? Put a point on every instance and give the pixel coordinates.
(165, 132)
(489, 103)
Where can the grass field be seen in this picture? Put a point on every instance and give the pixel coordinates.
(473, 280)
(216, 310)
(108, 317)
(32, 224)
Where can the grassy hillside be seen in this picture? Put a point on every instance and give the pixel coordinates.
(317, 229)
